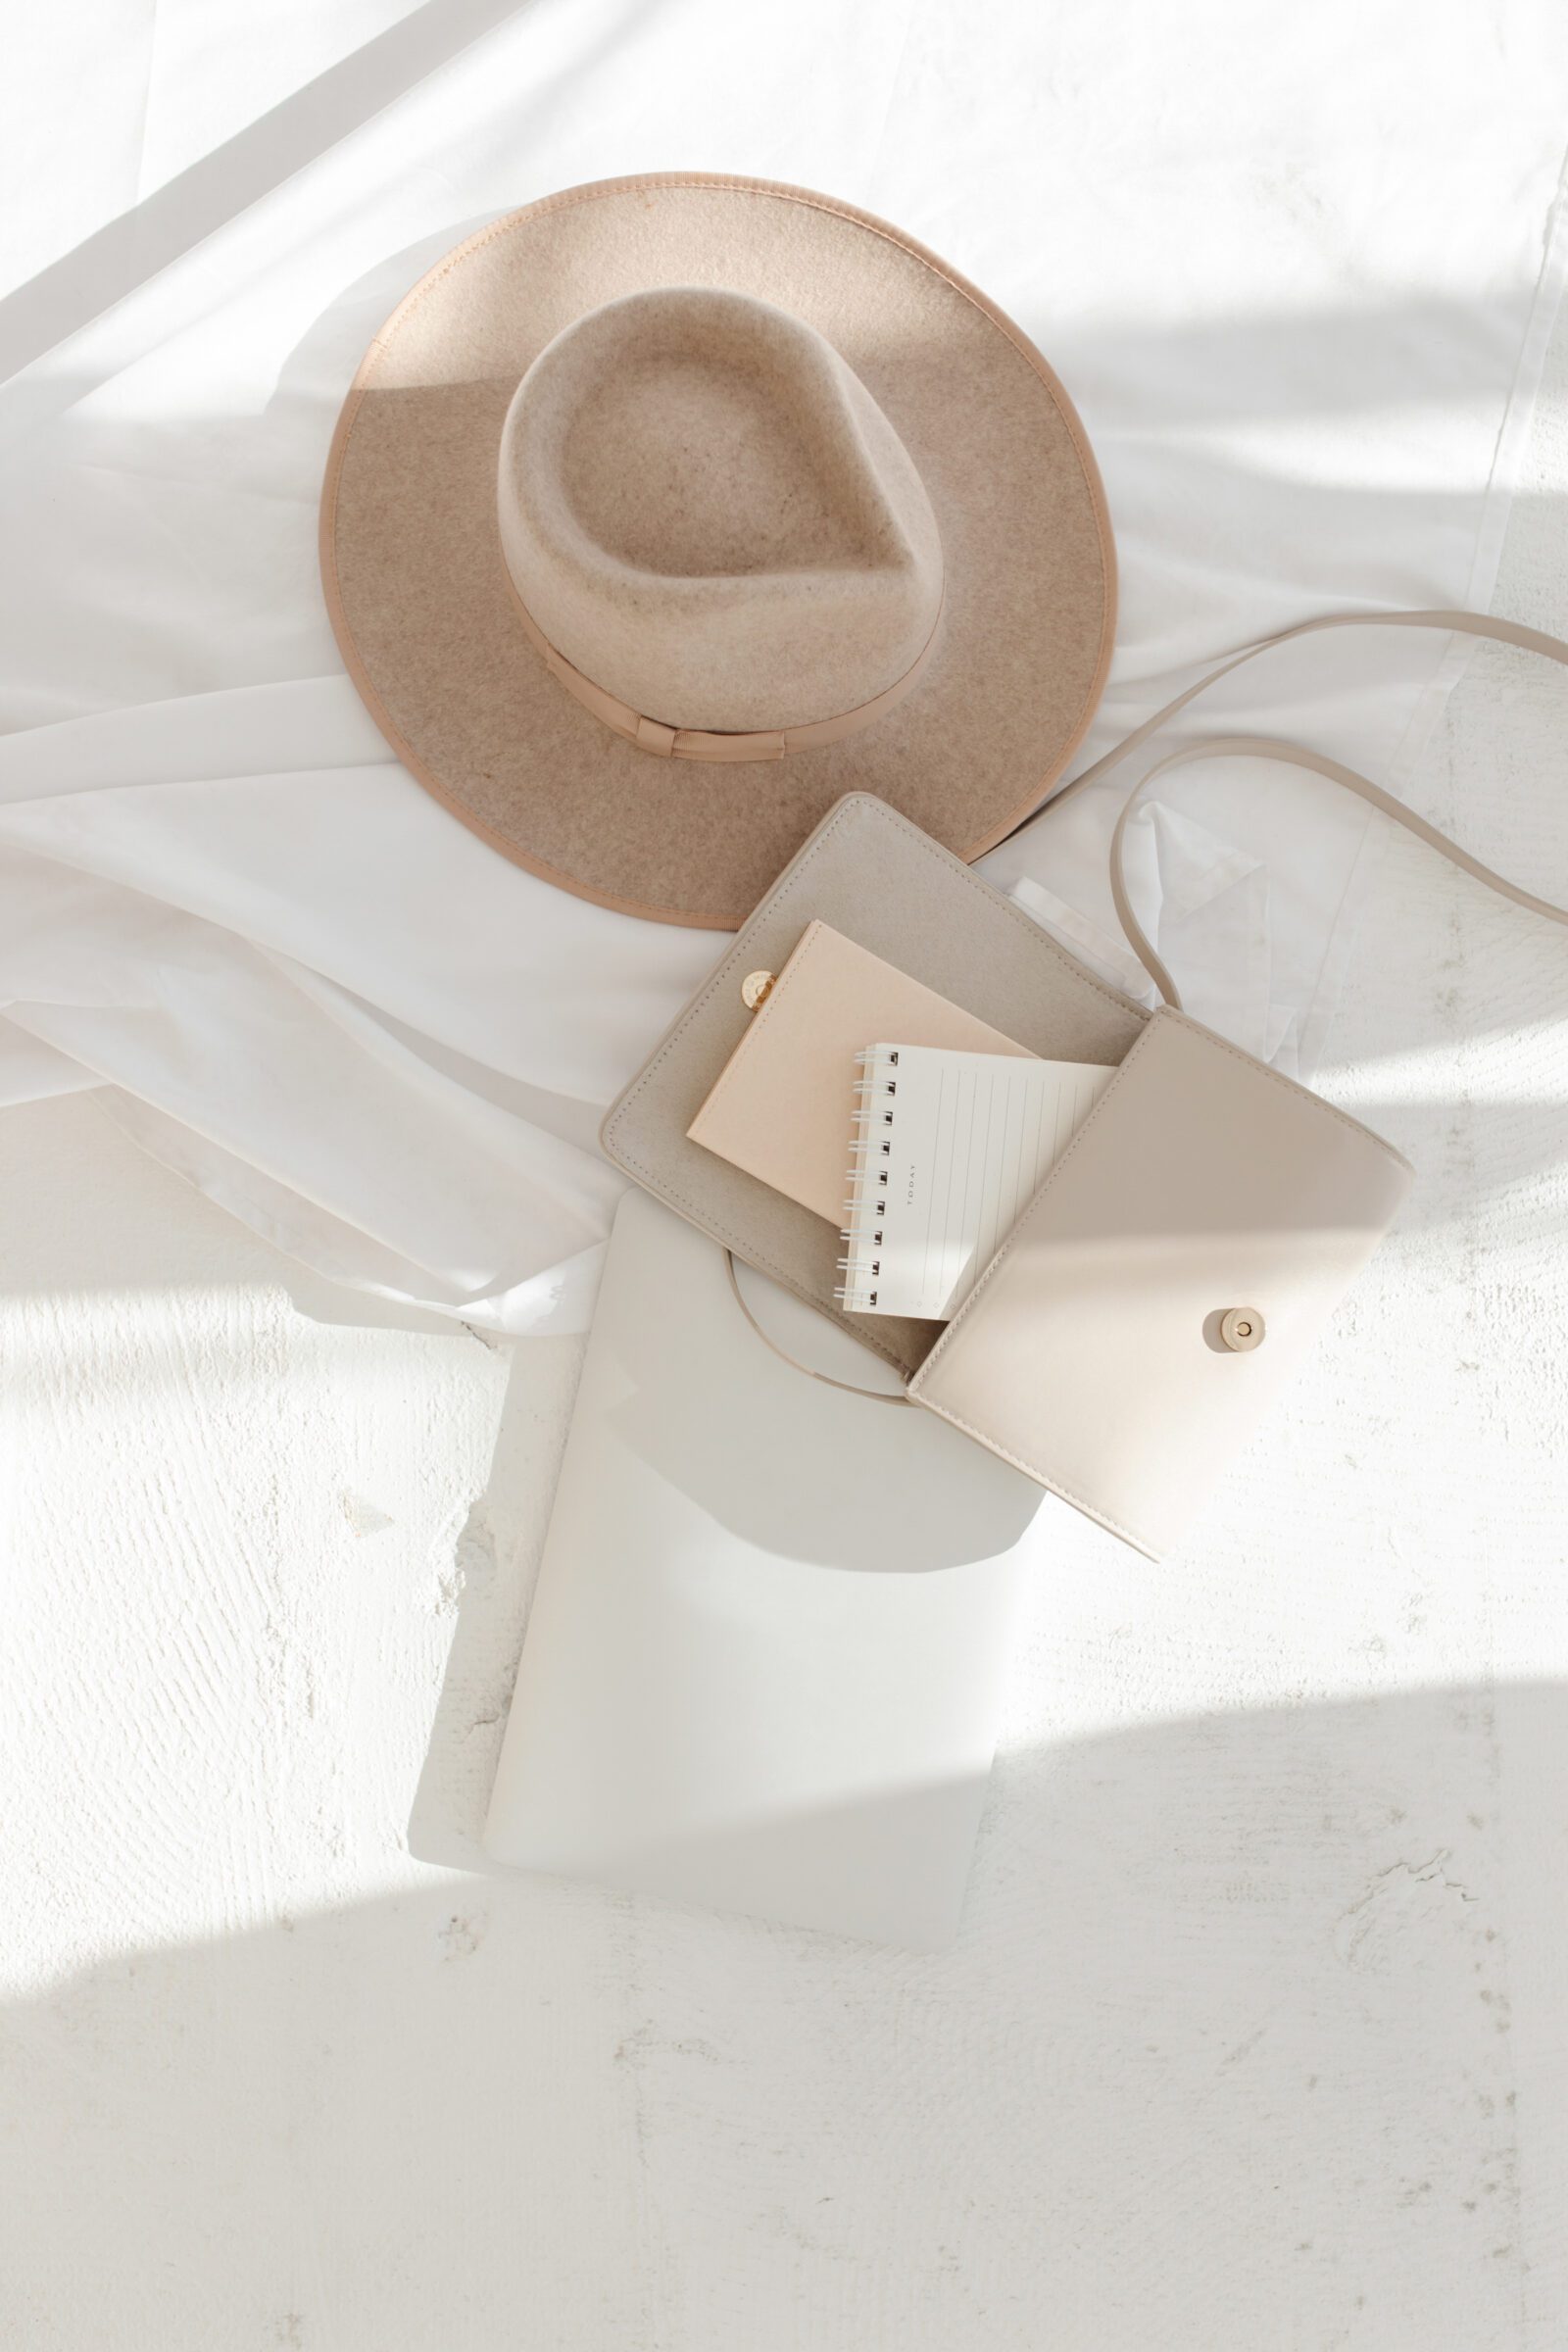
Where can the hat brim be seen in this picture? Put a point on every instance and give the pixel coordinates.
(420, 600)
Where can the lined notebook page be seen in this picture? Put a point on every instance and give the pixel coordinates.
(947, 1150)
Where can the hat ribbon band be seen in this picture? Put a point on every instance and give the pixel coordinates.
(693, 743)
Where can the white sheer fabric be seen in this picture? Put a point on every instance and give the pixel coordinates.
(1297, 274)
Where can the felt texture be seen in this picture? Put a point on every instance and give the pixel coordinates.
(421, 601)
(711, 519)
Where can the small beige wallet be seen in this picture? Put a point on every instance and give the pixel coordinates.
(1171, 1268)
(781, 1106)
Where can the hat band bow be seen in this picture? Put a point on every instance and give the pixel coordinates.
(697, 743)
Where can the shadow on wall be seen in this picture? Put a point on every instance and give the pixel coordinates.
(1225, 2042)
(204, 198)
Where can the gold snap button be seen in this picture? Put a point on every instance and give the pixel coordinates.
(753, 988)
(1241, 1328)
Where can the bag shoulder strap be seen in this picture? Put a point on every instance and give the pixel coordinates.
(1265, 747)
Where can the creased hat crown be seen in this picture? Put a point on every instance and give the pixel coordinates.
(704, 511)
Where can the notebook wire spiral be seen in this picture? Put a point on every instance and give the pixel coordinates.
(946, 1150)
(870, 1160)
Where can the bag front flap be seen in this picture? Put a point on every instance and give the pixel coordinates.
(1164, 1280)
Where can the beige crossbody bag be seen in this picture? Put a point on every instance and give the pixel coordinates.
(1182, 1255)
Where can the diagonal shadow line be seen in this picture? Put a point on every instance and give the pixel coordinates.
(122, 254)
(1226, 1982)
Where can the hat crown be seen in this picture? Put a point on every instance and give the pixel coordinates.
(704, 509)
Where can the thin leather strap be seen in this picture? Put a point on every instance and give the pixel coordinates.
(1292, 755)
(695, 743)
(1267, 746)
(850, 1387)
(1470, 624)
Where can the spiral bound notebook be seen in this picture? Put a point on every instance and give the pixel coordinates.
(948, 1150)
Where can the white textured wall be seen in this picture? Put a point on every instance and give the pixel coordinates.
(1253, 2040)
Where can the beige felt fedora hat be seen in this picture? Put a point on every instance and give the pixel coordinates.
(665, 511)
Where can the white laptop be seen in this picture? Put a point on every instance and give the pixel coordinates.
(763, 1667)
